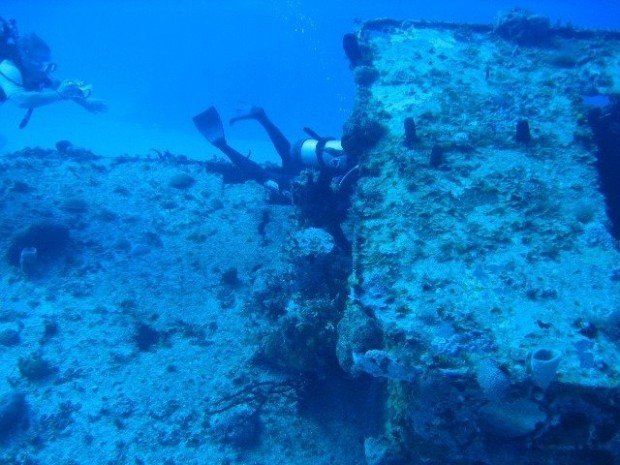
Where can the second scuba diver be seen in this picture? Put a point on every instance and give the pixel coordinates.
(327, 207)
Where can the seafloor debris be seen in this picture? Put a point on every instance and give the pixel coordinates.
(140, 295)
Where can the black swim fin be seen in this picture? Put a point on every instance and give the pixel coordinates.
(26, 119)
(210, 126)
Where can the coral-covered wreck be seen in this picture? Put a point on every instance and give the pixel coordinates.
(161, 310)
(486, 283)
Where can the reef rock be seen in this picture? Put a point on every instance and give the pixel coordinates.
(486, 255)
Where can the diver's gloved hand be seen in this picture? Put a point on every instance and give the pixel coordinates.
(92, 104)
(72, 90)
(80, 92)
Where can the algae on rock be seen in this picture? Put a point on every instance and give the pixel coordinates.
(491, 253)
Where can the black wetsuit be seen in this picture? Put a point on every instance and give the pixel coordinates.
(318, 203)
(290, 155)
(281, 175)
(253, 170)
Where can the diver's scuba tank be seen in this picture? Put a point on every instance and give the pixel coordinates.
(322, 153)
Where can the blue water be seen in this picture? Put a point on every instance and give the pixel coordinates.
(156, 63)
(155, 308)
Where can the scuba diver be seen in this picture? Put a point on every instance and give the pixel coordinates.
(322, 153)
(26, 75)
(323, 202)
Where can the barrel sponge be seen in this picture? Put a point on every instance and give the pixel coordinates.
(50, 240)
(544, 363)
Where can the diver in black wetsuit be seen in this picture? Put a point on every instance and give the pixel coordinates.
(323, 153)
(319, 203)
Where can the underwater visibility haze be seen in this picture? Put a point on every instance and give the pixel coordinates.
(309, 232)
(157, 62)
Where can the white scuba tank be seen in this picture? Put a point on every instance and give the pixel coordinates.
(331, 156)
(10, 72)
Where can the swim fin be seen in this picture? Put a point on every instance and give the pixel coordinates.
(256, 113)
(26, 119)
(210, 126)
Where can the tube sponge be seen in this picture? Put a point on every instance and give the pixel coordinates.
(544, 364)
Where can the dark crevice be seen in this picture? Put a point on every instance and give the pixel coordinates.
(605, 123)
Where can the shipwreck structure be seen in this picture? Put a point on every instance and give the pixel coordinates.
(486, 283)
